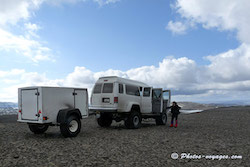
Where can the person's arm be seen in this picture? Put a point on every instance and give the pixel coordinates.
(169, 107)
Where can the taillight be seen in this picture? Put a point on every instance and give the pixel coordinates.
(115, 99)
(20, 111)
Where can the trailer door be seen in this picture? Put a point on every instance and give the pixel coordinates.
(29, 104)
(157, 100)
(81, 101)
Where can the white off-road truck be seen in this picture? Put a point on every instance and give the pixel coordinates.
(41, 107)
(115, 98)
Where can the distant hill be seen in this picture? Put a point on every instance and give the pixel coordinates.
(11, 108)
(8, 108)
(197, 106)
(8, 105)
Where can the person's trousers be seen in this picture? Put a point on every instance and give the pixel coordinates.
(174, 116)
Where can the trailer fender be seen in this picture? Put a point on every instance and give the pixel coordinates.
(65, 113)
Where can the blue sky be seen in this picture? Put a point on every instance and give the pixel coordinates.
(170, 44)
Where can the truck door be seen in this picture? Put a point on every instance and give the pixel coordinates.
(29, 104)
(81, 100)
(166, 99)
(146, 100)
(157, 100)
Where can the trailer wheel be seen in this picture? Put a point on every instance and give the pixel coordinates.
(71, 127)
(105, 120)
(161, 120)
(38, 129)
(134, 120)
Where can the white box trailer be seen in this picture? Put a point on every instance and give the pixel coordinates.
(41, 107)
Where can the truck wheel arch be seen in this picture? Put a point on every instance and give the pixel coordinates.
(63, 114)
(133, 105)
(136, 107)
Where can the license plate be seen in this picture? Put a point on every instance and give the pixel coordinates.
(105, 100)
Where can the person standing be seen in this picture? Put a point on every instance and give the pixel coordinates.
(175, 110)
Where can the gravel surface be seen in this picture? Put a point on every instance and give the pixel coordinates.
(222, 131)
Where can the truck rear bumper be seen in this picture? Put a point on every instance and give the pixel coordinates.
(98, 109)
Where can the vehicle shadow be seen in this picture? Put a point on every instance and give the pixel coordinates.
(120, 126)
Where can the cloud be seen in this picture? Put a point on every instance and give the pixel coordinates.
(80, 77)
(11, 72)
(13, 79)
(233, 65)
(183, 76)
(23, 45)
(177, 27)
(227, 72)
(229, 15)
(105, 2)
(11, 11)
(31, 27)
(27, 43)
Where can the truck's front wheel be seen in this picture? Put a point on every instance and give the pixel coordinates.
(71, 127)
(105, 120)
(161, 120)
(38, 129)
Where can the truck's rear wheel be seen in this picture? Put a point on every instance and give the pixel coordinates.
(161, 120)
(71, 127)
(105, 120)
(38, 129)
(134, 120)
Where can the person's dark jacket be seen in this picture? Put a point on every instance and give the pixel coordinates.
(175, 110)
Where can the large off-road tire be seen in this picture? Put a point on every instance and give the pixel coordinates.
(105, 120)
(161, 120)
(71, 127)
(38, 129)
(133, 121)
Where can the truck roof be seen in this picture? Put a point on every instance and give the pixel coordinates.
(121, 80)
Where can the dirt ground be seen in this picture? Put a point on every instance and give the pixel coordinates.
(222, 131)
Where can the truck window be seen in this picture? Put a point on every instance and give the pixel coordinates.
(166, 95)
(156, 94)
(98, 88)
(132, 90)
(146, 92)
(107, 88)
(120, 88)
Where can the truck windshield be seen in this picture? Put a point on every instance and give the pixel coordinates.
(107, 88)
(98, 88)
